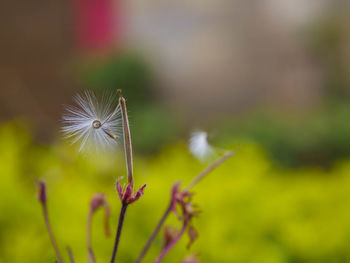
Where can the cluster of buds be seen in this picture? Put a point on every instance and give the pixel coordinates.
(182, 199)
(126, 194)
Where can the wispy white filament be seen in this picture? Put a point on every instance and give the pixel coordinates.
(199, 145)
(92, 123)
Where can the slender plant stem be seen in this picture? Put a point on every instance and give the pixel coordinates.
(209, 169)
(155, 232)
(172, 244)
(52, 237)
(70, 253)
(200, 176)
(119, 230)
(127, 142)
(91, 255)
(129, 168)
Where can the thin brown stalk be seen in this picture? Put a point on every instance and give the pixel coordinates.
(127, 142)
(119, 231)
(129, 168)
(155, 232)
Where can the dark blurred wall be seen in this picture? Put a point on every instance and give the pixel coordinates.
(35, 51)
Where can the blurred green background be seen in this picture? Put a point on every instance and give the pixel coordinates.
(269, 79)
(252, 211)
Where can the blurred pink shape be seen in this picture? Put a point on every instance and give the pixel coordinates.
(98, 24)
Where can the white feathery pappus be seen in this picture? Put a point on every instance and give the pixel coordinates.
(94, 123)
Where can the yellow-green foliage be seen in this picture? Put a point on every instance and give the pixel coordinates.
(251, 210)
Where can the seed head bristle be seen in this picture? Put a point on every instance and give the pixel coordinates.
(94, 123)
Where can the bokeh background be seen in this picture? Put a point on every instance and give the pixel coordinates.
(268, 78)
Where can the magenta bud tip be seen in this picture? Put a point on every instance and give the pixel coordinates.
(42, 192)
(97, 200)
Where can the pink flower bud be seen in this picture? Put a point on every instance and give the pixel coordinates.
(42, 192)
(97, 201)
(119, 189)
(174, 193)
(193, 235)
(136, 196)
(127, 196)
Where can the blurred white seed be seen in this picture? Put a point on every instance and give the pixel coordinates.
(94, 124)
(199, 145)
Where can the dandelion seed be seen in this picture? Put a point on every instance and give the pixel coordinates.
(199, 145)
(93, 124)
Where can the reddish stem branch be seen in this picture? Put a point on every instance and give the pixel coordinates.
(155, 232)
(210, 168)
(172, 244)
(168, 210)
(119, 231)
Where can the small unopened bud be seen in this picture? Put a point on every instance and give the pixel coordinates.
(136, 196)
(169, 235)
(193, 235)
(126, 195)
(97, 201)
(42, 192)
